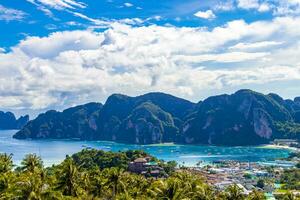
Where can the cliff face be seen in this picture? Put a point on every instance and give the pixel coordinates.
(146, 124)
(76, 122)
(121, 113)
(8, 121)
(243, 118)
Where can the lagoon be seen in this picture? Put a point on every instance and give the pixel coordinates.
(54, 151)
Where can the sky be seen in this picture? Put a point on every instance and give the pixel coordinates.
(60, 53)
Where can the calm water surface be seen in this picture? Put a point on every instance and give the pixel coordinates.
(54, 151)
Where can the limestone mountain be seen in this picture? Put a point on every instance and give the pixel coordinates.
(9, 121)
(243, 118)
(118, 108)
(76, 122)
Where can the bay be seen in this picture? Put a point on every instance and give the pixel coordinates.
(54, 151)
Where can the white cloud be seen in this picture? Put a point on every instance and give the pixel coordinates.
(231, 57)
(248, 4)
(9, 14)
(59, 4)
(127, 4)
(289, 7)
(73, 67)
(294, 2)
(224, 6)
(98, 22)
(205, 14)
(255, 45)
(277, 7)
(264, 7)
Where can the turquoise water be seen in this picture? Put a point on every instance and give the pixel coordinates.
(54, 151)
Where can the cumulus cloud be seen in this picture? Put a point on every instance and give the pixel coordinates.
(205, 14)
(9, 14)
(289, 7)
(248, 4)
(275, 7)
(254, 4)
(73, 67)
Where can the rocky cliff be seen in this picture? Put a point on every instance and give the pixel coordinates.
(243, 118)
(9, 121)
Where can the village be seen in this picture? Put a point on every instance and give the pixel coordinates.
(248, 176)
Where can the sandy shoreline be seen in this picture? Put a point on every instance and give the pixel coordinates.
(273, 146)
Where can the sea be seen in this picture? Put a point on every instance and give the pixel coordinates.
(54, 151)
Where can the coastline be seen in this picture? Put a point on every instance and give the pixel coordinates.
(273, 146)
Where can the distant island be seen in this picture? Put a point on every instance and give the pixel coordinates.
(243, 118)
(8, 121)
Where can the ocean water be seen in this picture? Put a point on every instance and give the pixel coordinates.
(54, 151)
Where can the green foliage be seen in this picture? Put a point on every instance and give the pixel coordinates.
(291, 179)
(98, 159)
(102, 178)
(31, 162)
(6, 163)
(288, 129)
(256, 195)
(233, 192)
(260, 183)
(247, 176)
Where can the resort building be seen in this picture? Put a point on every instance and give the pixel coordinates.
(146, 167)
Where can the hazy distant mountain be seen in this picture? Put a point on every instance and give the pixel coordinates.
(8, 121)
(243, 118)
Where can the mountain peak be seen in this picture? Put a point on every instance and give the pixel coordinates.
(245, 117)
(9, 121)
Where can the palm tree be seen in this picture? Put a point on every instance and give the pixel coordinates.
(136, 185)
(7, 182)
(31, 162)
(114, 180)
(98, 184)
(233, 192)
(202, 192)
(6, 163)
(256, 195)
(68, 178)
(29, 186)
(289, 196)
(170, 189)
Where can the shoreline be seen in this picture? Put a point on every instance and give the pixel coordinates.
(273, 146)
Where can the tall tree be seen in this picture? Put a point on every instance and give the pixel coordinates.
(68, 178)
(6, 163)
(234, 192)
(31, 162)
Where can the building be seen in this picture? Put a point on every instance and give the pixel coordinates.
(146, 167)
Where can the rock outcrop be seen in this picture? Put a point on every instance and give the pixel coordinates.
(8, 121)
(243, 118)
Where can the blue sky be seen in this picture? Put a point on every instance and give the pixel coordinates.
(37, 22)
(60, 53)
